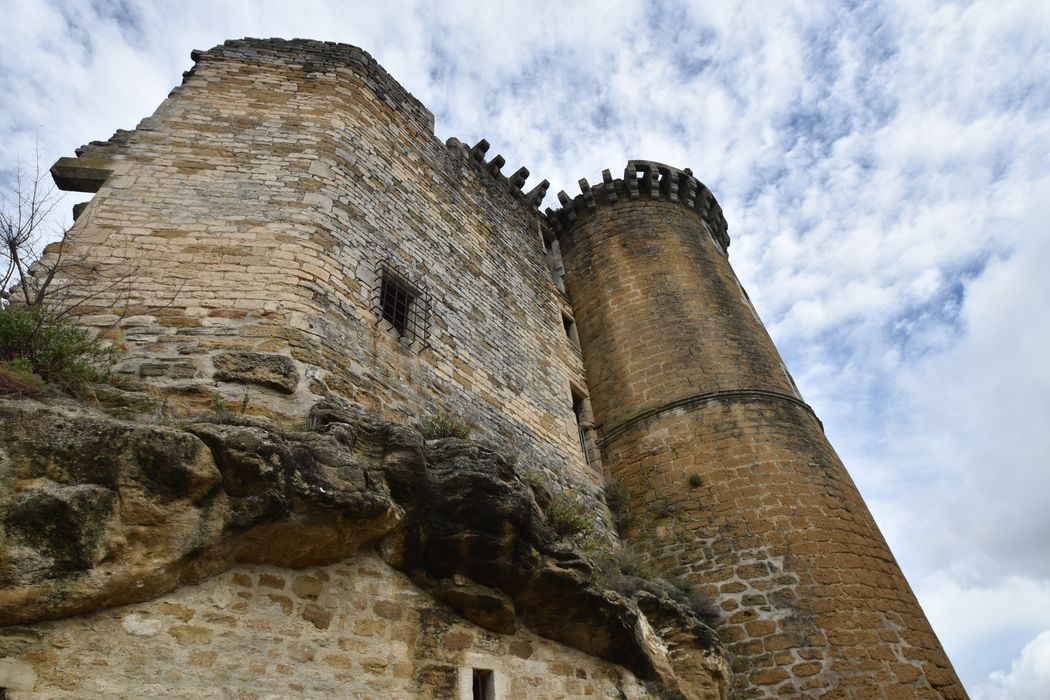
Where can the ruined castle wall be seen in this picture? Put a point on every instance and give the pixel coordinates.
(253, 211)
(356, 629)
(731, 481)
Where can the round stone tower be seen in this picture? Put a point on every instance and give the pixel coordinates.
(732, 482)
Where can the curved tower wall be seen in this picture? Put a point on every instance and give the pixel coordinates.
(731, 480)
(255, 212)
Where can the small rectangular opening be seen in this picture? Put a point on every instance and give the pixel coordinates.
(554, 263)
(484, 684)
(570, 330)
(581, 410)
(395, 299)
(403, 303)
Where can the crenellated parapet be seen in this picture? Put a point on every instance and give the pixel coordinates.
(514, 183)
(643, 179)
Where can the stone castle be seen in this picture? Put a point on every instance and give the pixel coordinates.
(297, 242)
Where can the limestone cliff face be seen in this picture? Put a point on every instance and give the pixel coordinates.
(100, 512)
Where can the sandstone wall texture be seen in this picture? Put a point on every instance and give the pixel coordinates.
(732, 482)
(356, 629)
(256, 211)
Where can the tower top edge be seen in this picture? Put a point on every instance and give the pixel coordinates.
(318, 57)
(643, 179)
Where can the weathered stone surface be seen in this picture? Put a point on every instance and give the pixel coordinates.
(268, 238)
(266, 369)
(484, 606)
(16, 675)
(101, 512)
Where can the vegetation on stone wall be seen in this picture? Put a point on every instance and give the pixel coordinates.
(39, 345)
(37, 348)
(445, 425)
(616, 496)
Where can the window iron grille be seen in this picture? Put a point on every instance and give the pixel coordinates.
(403, 303)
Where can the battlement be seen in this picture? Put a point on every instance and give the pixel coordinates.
(644, 178)
(514, 184)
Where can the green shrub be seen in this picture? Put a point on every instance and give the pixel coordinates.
(52, 348)
(219, 405)
(445, 425)
(695, 481)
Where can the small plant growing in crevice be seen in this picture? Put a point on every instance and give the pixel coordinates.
(695, 481)
(445, 425)
(664, 509)
(700, 603)
(616, 496)
(219, 405)
(631, 562)
(567, 517)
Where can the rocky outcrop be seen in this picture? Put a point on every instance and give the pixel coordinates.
(99, 512)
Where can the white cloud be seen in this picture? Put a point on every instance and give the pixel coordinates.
(1027, 679)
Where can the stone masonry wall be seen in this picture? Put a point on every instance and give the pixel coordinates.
(643, 300)
(356, 629)
(731, 482)
(813, 601)
(252, 212)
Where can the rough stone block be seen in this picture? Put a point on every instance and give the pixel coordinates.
(269, 370)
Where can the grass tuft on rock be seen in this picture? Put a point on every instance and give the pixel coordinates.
(18, 379)
(445, 425)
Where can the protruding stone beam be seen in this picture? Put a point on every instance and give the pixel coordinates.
(648, 184)
(630, 178)
(80, 174)
(495, 164)
(609, 185)
(517, 180)
(566, 204)
(537, 193)
(588, 195)
(669, 183)
(479, 150)
(688, 189)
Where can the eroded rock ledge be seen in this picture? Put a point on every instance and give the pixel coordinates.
(99, 512)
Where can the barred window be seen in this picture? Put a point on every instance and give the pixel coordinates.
(402, 303)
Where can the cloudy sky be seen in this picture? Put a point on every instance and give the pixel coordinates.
(884, 167)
